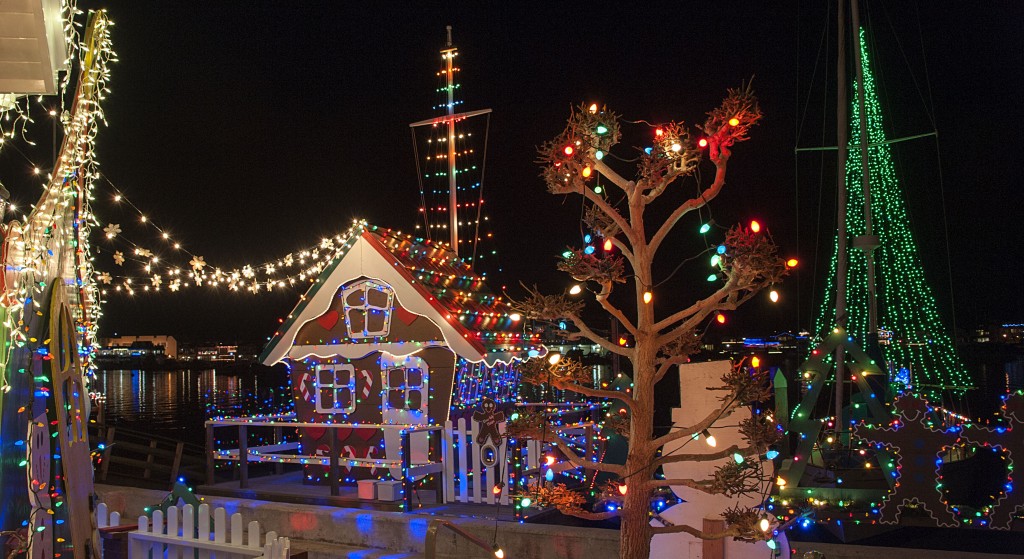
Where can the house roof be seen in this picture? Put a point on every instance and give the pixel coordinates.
(429, 279)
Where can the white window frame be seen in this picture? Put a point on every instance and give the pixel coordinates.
(365, 286)
(335, 387)
(422, 388)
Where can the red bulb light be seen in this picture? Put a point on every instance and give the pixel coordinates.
(607, 245)
(703, 142)
(569, 150)
(659, 132)
(755, 226)
(720, 318)
(792, 262)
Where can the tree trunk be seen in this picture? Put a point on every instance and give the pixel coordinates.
(634, 531)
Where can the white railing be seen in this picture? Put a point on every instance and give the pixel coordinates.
(461, 457)
(184, 534)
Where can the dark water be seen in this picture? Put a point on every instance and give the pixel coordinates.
(176, 403)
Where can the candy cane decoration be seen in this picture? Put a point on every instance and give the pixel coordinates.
(348, 452)
(370, 454)
(304, 382)
(367, 383)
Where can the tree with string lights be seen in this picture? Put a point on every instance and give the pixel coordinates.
(745, 263)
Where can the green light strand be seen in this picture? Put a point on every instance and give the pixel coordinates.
(906, 304)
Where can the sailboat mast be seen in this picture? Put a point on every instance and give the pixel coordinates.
(453, 216)
(842, 139)
(868, 242)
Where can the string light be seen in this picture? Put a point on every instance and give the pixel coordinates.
(920, 341)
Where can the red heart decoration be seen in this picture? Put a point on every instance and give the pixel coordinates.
(366, 434)
(328, 320)
(316, 432)
(344, 433)
(405, 316)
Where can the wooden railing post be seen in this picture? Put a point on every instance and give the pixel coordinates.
(243, 457)
(209, 454)
(109, 442)
(335, 472)
(178, 448)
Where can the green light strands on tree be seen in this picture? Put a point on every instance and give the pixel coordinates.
(906, 304)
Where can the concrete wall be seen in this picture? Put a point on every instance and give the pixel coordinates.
(319, 528)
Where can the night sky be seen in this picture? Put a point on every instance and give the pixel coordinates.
(252, 129)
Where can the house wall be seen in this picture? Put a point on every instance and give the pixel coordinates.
(407, 330)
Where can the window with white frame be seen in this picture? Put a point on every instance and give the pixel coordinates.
(367, 309)
(335, 388)
(406, 388)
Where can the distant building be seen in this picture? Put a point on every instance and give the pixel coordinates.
(138, 346)
(1010, 333)
(217, 353)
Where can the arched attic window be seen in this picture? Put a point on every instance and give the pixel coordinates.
(368, 306)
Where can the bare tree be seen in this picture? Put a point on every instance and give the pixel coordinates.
(661, 340)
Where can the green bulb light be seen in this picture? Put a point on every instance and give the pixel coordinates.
(705, 228)
(906, 303)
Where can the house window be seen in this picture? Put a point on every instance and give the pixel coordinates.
(367, 309)
(335, 389)
(405, 388)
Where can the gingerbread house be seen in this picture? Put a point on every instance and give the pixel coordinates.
(395, 331)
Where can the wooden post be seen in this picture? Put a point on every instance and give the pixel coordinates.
(209, 454)
(243, 457)
(278, 439)
(334, 471)
(177, 462)
(149, 460)
(713, 549)
(106, 453)
(406, 450)
(517, 474)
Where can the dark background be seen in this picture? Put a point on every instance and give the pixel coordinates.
(252, 129)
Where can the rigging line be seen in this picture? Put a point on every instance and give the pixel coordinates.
(945, 230)
(814, 72)
(480, 189)
(924, 60)
(821, 180)
(419, 181)
(917, 86)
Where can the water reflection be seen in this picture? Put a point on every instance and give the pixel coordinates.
(176, 403)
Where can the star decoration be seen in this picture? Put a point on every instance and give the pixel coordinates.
(197, 263)
(105, 278)
(119, 258)
(145, 253)
(175, 285)
(112, 230)
(156, 281)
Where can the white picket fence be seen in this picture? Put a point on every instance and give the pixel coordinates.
(183, 534)
(104, 518)
(466, 479)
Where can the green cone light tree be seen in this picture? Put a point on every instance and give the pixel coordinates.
(661, 338)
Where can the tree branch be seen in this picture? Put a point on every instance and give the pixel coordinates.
(700, 485)
(599, 340)
(577, 460)
(683, 314)
(594, 392)
(586, 515)
(707, 422)
(724, 453)
(686, 207)
(730, 532)
(610, 174)
(607, 209)
(611, 309)
(664, 367)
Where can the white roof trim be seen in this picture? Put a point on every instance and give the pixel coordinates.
(364, 260)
